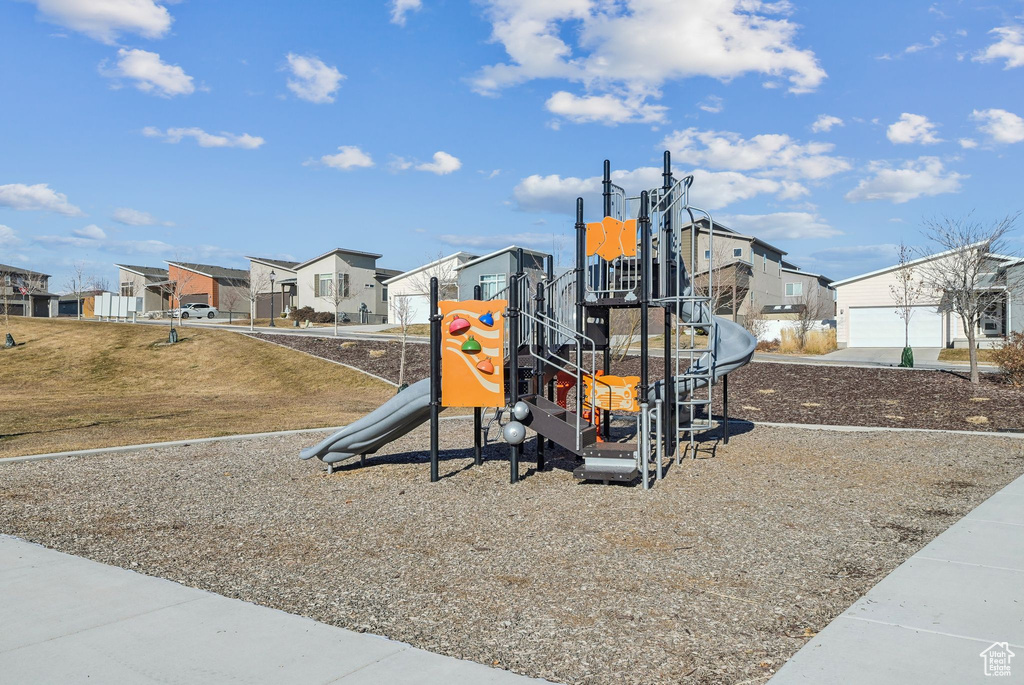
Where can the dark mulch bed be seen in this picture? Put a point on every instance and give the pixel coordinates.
(379, 358)
(785, 393)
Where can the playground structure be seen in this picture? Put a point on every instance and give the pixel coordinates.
(524, 351)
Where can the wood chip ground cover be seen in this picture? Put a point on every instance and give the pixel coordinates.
(717, 575)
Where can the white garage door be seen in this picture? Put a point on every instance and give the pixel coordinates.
(882, 327)
(418, 306)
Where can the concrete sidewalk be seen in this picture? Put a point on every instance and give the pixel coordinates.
(64, 619)
(930, 620)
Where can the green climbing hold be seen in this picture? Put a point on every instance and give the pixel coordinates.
(471, 345)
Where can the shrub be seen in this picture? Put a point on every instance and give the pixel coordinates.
(1010, 358)
(322, 317)
(767, 345)
(301, 314)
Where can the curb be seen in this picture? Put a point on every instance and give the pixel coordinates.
(876, 429)
(180, 443)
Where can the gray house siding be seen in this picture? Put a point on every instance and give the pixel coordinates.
(1016, 310)
(501, 266)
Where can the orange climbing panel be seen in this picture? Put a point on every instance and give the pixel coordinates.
(473, 353)
(611, 238)
(614, 393)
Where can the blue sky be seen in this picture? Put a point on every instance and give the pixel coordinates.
(138, 130)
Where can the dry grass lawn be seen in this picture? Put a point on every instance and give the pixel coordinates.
(962, 355)
(414, 329)
(75, 385)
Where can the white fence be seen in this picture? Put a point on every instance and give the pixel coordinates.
(773, 328)
(110, 306)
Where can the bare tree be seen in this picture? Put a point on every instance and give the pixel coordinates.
(255, 285)
(176, 289)
(336, 291)
(754, 321)
(446, 274)
(627, 327)
(728, 281)
(99, 283)
(906, 292)
(965, 272)
(75, 285)
(402, 312)
(811, 310)
(230, 296)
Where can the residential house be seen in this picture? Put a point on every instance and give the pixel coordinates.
(747, 271)
(808, 289)
(24, 292)
(867, 316)
(217, 286)
(283, 288)
(148, 282)
(409, 291)
(492, 272)
(68, 305)
(346, 282)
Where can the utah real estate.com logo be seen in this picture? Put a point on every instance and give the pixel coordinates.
(997, 659)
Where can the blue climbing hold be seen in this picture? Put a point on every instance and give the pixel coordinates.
(487, 319)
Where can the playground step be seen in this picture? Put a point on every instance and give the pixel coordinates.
(558, 424)
(606, 461)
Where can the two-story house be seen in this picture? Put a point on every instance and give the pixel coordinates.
(24, 292)
(493, 271)
(346, 282)
(277, 279)
(148, 282)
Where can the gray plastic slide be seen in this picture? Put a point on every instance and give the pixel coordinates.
(731, 348)
(388, 422)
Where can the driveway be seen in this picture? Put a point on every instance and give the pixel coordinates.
(881, 355)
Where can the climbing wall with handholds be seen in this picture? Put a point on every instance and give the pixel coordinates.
(473, 353)
(614, 393)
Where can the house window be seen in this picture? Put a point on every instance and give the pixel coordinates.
(384, 293)
(324, 284)
(794, 289)
(737, 252)
(343, 284)
(126, 289)
(707, 254)
(491, 285)
(764, 263)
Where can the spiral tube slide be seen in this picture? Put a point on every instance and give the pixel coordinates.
(731, 347)
(390, 421)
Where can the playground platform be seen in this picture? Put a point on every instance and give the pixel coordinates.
(931, 619)
(65, 619)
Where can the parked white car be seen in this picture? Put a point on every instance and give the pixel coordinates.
(196, 310)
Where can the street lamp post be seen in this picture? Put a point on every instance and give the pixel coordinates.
(272, 277)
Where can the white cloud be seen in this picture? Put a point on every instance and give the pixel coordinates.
(1010, 47)
(151, 75)
(968, 143)
(712, 103)
(8, 238)
(1000, 125)
(935, 41)
(134, 217)
(775, 154)
(204, 139)
(90, 232)
(711, 189)
(38, 196)
(825, 122)
(105, 20)
(443, 163)
(399, 163)
(606, 109)
(721, 39)
(912, 128)
(312, 80)
(924, 177)
(399, 8)
(347, 157)
(788, 225)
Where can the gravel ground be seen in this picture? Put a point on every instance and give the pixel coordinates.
(784, 393)
(717, 575)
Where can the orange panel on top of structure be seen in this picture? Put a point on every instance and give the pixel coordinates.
(611, 238)
(473, 353)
